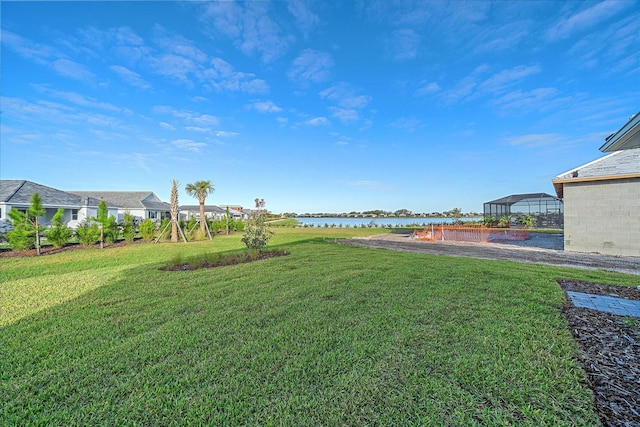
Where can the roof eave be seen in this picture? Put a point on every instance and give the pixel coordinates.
(626, 138)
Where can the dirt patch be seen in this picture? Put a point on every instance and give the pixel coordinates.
(502, 251)
(609, 353)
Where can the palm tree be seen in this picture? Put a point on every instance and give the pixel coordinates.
(174, 210)
(200, 190)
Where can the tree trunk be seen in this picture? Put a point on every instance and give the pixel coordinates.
(202, 217)
(37, 236)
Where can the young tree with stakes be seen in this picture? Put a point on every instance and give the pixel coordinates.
(200, 190)
(174, 210)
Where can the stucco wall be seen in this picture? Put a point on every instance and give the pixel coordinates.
(603, 217)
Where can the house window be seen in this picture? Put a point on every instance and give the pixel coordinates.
(152, 214)
(74, 214)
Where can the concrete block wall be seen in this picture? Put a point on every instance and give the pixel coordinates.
(603, 217)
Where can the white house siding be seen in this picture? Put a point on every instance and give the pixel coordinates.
(603, 217)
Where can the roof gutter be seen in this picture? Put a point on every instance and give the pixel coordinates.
(626, 138)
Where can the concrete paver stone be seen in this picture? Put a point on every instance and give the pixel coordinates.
(618, 306)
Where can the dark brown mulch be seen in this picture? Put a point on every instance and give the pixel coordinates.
(50, 250)
(609, 353)
(231, 259)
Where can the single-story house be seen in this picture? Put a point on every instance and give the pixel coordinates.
(141, 204)
(602, 198)
(193, 211)
(16, 194)
(211, 212)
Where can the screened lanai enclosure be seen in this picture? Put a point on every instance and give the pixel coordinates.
(546, 209)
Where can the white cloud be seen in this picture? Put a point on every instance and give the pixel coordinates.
(178, 45)
(205, 119)
(222, 76)
(407, 123)
(189, 145)
(305, 19)
(311, 66)
(46, 55)
(130, 77)
(79, 99)
(264, 107)
(167, 126)
(427, 88)
(403, 44)
(72, 69)
(226, 134)
(344, 115)
(198, 129)
(585, 19)
(519, 100)
(462, 90)
(37, 52)
(535, 140)
(317, 121)
(348, 103)
(198, 99)
(251, 27)
(174, 66)
(501, 80)
(189, 117)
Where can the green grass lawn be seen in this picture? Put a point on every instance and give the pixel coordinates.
(328, 335)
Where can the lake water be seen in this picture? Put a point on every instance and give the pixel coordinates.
(376, 222)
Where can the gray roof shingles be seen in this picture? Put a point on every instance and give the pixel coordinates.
(623, 162)
(20, 192)
(128, 199)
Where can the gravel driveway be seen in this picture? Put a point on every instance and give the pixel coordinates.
(539, 249)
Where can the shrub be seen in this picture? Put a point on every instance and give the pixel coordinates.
(215, 226)
(88, 233)
(128, 229)
(527, 221)
(490, 221)
(25, 232)
(111, 230)
(191, 224)
(21, 237)
(59, 234)
(256, 231)
(148, 229)
(504, 221)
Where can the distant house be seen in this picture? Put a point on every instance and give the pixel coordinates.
(211, 212)
(193, 211)
(602, 198)
(16, 194)
(140, 204)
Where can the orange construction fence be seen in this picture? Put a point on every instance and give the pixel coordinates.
(478, 234)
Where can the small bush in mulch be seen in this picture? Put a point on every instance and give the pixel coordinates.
(218, 260)
(609, 353)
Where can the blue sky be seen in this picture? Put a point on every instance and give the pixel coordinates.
(315, 106)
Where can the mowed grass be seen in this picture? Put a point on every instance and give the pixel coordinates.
(329, 335)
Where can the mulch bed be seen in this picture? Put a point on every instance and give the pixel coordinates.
(609, 353)
(50, 250)
(231, 259)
